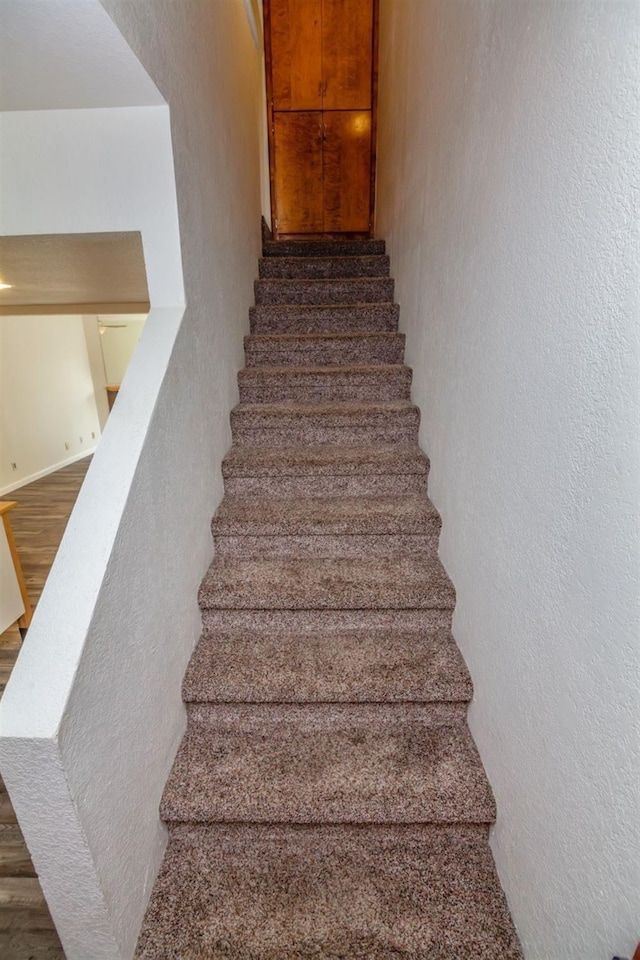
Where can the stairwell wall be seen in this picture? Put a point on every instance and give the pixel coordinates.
(92, 716)
(508, 159)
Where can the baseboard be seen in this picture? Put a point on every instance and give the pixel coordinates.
(45, 473)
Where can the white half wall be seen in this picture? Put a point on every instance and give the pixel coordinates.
(48, 413)
(118, 619)
(508, 155)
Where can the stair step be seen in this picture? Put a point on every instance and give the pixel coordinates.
(326, 515)
(324, 349)
(331, 318)
(347, 763)
(326, 527)
(322, 384)
(357, 666)
(274, 424)
(363, 290)
(325, 470)
(327, 584)
(356, 893)
(323, 248)
(326, 622)
(322, 268)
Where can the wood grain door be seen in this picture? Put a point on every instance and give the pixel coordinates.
(297, 142)
(347, 51)
(296, 54)
(321, 85)
(346, 170)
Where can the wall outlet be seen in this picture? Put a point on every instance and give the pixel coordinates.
(14, 465)
(66, 445)
(81, 440)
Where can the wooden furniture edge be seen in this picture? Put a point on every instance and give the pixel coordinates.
(5, 506)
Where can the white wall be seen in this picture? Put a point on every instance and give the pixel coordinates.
(119, 337)
(508, 149)
(48, 414)
(96, 366)
(118, 618)
(67, 53)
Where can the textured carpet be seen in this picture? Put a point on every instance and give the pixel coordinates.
(327, 801)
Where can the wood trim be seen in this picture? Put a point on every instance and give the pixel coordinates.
(5, 507)
(636, 955)
(374, 116)
(268, 64)
(52, 309)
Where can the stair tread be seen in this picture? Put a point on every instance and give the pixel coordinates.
(326, 515)
(337, 289)
(310, 318)
(324, 280)
(327, 348)
(382, 763)
(327, 267)
(327, 583)
(308, 459)
(366, 665)
(359, 336)
(328, 370)
(314, 384)
(340, 408)
(389, 893)
(276, 248)
(312, 308)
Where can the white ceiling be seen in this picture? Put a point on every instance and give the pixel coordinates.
(67, 54)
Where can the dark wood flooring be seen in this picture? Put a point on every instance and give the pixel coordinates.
(39, 520)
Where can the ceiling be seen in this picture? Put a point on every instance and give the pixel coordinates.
(67, 54)
(73, 273)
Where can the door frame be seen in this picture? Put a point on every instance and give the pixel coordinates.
(268, 63)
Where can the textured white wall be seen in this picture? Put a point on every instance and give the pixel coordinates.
(47, 397)
(118, 619)
(62, 54)
(508, 158)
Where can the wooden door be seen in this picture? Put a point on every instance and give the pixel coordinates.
(347, 50)
(296, 54)
(321, 79)
(297, 142)
(346, 172)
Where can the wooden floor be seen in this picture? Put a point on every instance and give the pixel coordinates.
(39, 520)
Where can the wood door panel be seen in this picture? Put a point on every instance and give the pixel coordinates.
(296, 54)
(347, 170)
(347, 54)
(298, 172)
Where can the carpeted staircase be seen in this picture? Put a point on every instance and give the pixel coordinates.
(327, 801)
